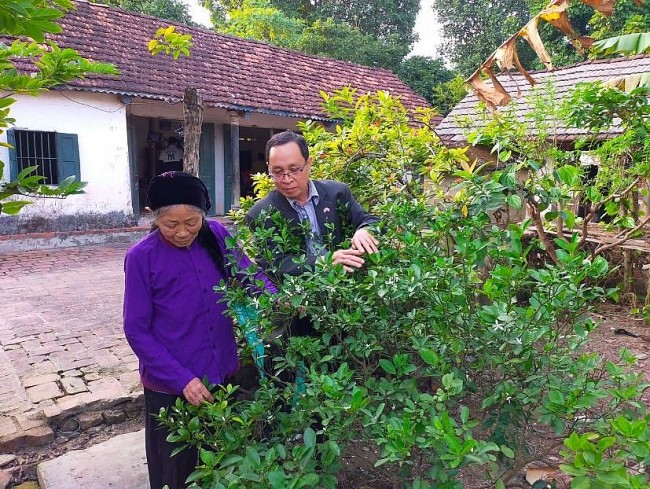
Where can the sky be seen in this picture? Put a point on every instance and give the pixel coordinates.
(425, 25)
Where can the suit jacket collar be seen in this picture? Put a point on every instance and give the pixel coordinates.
(323, 208)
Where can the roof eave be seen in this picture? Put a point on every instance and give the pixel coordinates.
(175, 100)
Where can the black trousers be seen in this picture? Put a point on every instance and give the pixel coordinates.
(163, 468)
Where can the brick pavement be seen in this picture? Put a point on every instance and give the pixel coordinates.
(62, 350)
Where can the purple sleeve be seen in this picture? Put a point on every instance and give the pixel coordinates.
(138, 326)
(243, 261)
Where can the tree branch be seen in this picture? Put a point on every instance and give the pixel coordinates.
(627, 236)
(541, 233)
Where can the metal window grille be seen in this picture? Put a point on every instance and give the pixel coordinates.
(36, 148)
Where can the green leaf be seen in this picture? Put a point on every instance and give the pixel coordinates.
(309, 438)
(253, 456)
(277, 479)
(514, 201)
(308, 480)
(580, 482)
(13, 207)
(429, 356)
(616, 478)
(26, 171)
(388, 366)
(599, 267)
(568, 175)
(637, 43)
(507, 451)
(207, 457)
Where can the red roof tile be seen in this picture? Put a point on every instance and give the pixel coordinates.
(563, 79)
(229, 72)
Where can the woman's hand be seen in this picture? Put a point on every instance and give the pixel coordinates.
(195, 392)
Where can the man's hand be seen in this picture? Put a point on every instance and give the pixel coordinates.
(364, 241)
(195, 392)
(350, 259)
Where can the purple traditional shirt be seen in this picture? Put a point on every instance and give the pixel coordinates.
(172, 319)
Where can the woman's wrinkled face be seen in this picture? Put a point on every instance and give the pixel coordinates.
(180, 224)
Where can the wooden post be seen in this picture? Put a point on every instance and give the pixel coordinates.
(193, 119)
(234, 158)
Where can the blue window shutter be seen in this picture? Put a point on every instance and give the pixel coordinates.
(13, 160)
(67, 156)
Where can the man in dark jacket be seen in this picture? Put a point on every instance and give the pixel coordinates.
(317, 211)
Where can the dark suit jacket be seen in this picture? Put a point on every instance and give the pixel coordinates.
(333, 196)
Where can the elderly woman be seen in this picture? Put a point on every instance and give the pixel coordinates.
(172, 318)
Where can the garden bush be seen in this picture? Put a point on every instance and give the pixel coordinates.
(448, 354)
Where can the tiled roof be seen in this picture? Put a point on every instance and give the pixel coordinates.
(229, 72)
(563, 80)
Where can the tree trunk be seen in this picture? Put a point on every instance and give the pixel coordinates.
(646, 196)
(541, 233)
(627, 260)
(193, 119)
(628, 273)
(647, 289)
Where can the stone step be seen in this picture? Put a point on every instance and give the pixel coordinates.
(116, 463)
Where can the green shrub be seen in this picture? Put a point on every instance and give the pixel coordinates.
(446, 352)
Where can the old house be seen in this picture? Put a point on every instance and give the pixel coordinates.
(451, 129)
(113, 132)
(466, 116)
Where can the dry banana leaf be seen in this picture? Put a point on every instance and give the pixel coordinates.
(606, 7)
(556, 15)
(630, 82)
(531, 34)
(492, 96)
(507, 58)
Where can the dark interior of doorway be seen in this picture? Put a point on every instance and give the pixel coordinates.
(252, 143)
(150, 137)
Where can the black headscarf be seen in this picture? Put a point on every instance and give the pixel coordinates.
(177, 187)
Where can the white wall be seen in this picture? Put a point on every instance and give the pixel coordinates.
(99, 120)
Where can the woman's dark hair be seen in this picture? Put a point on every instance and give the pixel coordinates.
(210, 243)
(286, 137)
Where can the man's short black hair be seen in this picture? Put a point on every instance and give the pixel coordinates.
(285, 137)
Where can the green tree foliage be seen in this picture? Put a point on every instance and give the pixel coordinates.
(341, 41)
(448, 94)
(49, 66)
(433, 80)
(369, 33)
(384, 19)
(173, 10)
(626, 19)
(260, 20)
(473, 29)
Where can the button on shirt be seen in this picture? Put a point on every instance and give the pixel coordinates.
(307, 212)
(172, 318)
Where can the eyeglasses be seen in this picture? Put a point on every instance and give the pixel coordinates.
(279, 175)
